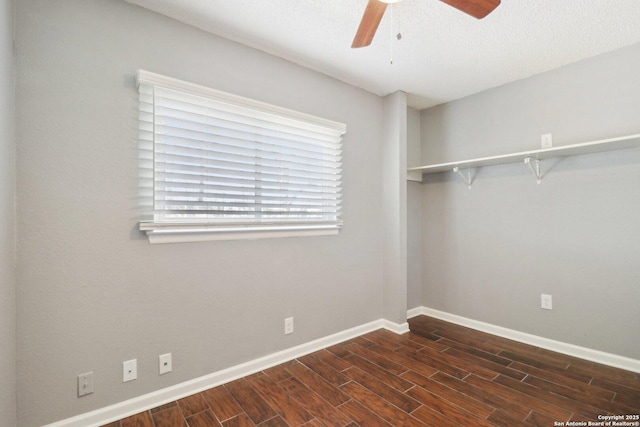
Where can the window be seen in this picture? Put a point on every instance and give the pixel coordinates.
(224, 167)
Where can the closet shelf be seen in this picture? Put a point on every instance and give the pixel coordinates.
(630, 141)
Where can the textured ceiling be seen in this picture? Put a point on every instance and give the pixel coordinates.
(443, 54)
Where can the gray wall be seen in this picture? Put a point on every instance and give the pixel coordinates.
(7, 221)
(489, 252)
(414, 245)
(394, 184)
(414, 214)
(93, 292)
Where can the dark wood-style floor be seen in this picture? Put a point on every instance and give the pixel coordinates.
(439, 374)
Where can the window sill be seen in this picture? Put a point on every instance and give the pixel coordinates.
(185, 233)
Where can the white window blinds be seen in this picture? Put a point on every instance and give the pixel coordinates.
(227, 162)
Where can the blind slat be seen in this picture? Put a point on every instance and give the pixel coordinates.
(204, 141)
(220, 193)
(166, 165)
(256, 158)
(199, 119)
(268, 181)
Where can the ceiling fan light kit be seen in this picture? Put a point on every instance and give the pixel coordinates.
(375, 11)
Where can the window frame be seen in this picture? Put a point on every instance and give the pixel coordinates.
(195, 230)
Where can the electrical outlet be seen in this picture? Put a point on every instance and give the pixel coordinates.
(288, 325)
(546, 140)
(164, 363)
(129, 370)
(85, 384)
(546, 302)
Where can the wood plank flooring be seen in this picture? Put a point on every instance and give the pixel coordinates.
(439, 374)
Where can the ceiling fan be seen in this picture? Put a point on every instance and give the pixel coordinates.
(376, 8)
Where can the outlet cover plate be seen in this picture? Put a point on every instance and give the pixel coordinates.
(546, 302)
(164, 363)
(546, 140)
(129, 370)
(85, 384)
(288, 325)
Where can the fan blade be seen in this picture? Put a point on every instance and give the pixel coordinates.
(369, 24)
(476, 8)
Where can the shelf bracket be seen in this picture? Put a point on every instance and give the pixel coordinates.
(467, 179)
(536, 170)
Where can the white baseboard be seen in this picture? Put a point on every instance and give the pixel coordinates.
(415, 312)
(399, 329)
(142, 403)
(597, 356)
